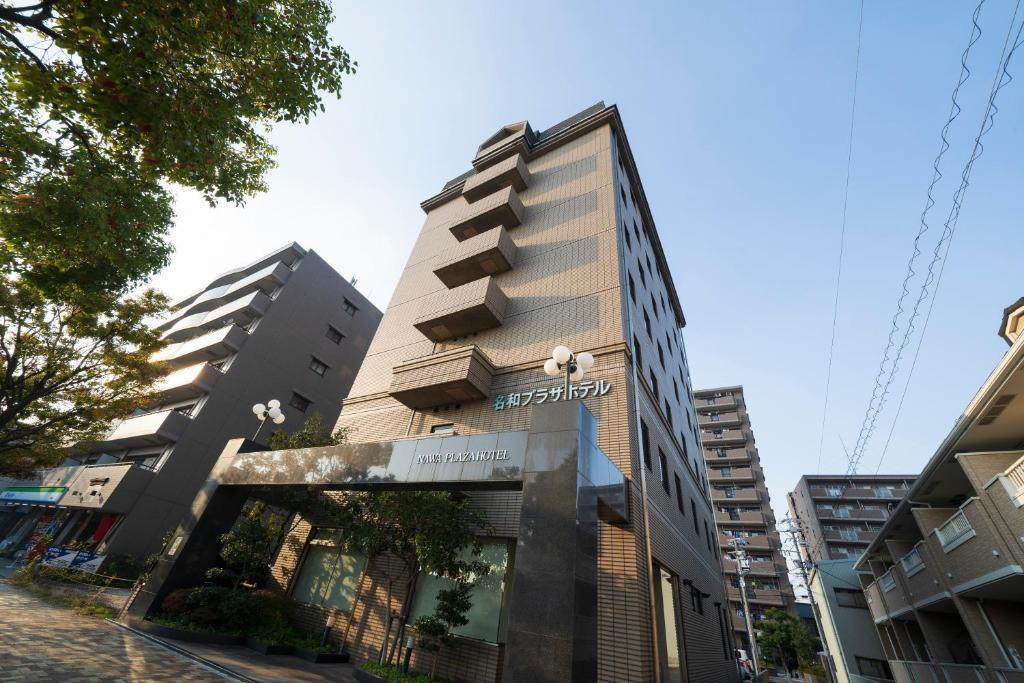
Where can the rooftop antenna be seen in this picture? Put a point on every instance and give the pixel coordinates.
(353, 281)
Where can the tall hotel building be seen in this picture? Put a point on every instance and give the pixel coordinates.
(743, 509)
(605, 564)
(287, 326)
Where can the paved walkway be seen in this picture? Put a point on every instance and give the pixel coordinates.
(41, 642)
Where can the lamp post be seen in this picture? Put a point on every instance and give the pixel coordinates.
(271, 411)
(574, 365)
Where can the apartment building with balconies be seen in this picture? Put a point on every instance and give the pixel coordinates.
(743, 512)
(838, 517)
(287, 326)
(945, 575)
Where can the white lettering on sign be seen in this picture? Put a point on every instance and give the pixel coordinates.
(466, 456)
(552, 394)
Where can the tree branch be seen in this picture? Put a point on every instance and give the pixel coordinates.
(21, 46)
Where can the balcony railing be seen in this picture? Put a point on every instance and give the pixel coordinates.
(1013, 482)
(954, 531)
(912, 562)
(887, 581)
(212, 345)
(916, 672)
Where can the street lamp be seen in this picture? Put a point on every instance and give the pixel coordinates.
(272, 411)
(574, 365)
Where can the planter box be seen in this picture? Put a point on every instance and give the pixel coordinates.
(162, 631)
(320, 657)
(268, 648)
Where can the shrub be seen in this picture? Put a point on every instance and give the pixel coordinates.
(396, 675)
(176, 603)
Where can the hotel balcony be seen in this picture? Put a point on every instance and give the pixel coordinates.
(111, 488)
(456, 376)
(743, 516)
(486, 254)
(876, 605)
(746, 495)
(289, 255)
(152, 429)
(265, 280)
(188, 382)
(511, 172)
(850, 535)
(241, 312)
(728, 437)
(711, 405)
(501, 208)
(473, 307)
(917, 571)
(857, 493)
(742, 474)
(210, 346)
(894, 593)
(725, 419)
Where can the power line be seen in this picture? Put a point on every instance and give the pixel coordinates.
(880, 391)
(842, 235)
(1003, 78)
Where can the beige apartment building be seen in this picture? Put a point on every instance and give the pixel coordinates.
(743, 510)
(605, 565)
(838, 517)
(945, 583)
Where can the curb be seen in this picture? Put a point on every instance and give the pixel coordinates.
(205, 663)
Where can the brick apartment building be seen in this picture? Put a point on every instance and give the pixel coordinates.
(945, 584)
(605, 564)
(839, 516)
(742, 507)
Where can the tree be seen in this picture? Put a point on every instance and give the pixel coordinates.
(67, 371)
(312, 433)
(785, 634)
(248, 548)
(434, 631)
(105, 102)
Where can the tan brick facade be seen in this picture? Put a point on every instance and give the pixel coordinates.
(588, 273)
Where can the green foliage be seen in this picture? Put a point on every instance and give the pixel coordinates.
(248, 548)
(312, 433)
(67, 371)
(784, 634)
(396, 675)
(105, 102)
(434, 631)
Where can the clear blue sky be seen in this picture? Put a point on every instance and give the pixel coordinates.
(738, 118)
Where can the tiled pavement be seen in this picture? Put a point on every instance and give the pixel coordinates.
(40, 642)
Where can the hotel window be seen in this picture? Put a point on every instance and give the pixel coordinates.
(632, 289)
(645, 441)
(730, 491)
(717, 433)
(629, 242)
(622, 193)
(654, 307)
(680, 503)
(636, 231)
(649, 269)
(707, 537)
(317, 366)
(661, 355)
(846, 597)
(647, 322)
(666, 597)
(328, 577)
(834, 491)
(639, 354)
(874, 668)
(448, 428)
(693, 513)
(334, 334)
(720, 452)
(675, 386)
(300, 402)
(350, 307)
(689, 422)
(654, 384)
(485, 614)
(725, 472)
(707, 401)
(640, 269)
(668, 414)
(715, 417)
(721, 630)
(663, 463)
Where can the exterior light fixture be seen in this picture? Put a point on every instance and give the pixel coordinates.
(574, 365)
(271, 411)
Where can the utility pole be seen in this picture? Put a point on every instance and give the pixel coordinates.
(742, 568)
(796, 534)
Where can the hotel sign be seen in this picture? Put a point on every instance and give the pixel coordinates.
(465, 456)
(551, 394)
